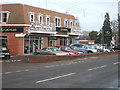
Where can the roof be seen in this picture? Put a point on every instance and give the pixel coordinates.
(19, 13)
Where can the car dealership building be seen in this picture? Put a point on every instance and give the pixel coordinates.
(23, 27)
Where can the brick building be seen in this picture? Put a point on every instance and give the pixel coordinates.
(23, 26)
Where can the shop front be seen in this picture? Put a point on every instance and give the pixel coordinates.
(33, 43)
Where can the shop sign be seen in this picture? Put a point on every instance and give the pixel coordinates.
(61, 29)
(52, 38)
(11, 30)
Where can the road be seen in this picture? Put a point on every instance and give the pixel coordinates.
(89, 72)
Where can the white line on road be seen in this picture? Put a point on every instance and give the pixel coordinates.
(97, 67)
(27, 70)
(8, 72)
(18, 71)
(116, 63)
(54, 78)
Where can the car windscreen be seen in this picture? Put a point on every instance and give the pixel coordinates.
(54, 49)
(3, 48)
(66, 48)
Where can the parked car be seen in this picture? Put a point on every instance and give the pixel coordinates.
(85, 47)
(68, 50)
(51, 51)
(4, 52)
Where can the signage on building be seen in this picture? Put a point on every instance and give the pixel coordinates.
(52, 38)
(11, 30)
(61, 29)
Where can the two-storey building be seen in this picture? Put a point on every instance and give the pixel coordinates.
(23, 26)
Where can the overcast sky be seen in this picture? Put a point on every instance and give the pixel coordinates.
(90, 12)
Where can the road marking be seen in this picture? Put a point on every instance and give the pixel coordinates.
(18, 71)
(93, 57)
(8, 72)
(85, 58)
(116, 63)
(27, 70)
(45, 80)
(18, 60)
(97, 67)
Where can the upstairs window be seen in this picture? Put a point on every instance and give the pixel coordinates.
(31, 17)
(71, 24)
(66, 23)
(47, 20)
(57, 21)
(4, 16)
(40, 18)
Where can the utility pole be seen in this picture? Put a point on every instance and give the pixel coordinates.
(46, 4)
(119, 24)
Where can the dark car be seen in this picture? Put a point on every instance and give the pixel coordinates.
(4, 52)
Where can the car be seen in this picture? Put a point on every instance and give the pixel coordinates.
(81, 51)
(68, 50)
(4, 52)
(51, 51)
(84, 47)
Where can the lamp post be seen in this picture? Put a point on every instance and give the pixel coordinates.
(119, 25)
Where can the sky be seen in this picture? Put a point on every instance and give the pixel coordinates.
(89, 12)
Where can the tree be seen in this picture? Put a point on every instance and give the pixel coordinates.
(114, 27)
(106, 30)
(94, 36)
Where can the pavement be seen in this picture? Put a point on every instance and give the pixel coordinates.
(88, 72)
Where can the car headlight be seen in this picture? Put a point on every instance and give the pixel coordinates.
(71, 53)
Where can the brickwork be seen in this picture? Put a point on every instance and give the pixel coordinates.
(51, 58)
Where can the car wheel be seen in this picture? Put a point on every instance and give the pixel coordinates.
(90, 52)
(38, 54)
(7, 57)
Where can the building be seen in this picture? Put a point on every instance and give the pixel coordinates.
(23, 27)
(85, 41)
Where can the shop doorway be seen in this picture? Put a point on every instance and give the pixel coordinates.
(52, 41)
(32, 43)
(4, 41)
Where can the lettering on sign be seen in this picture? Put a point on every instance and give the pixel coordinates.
(11, 29)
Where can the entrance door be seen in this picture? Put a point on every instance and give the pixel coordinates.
(32, 43)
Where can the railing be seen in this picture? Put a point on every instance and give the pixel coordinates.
(75, 31)
(42, 28)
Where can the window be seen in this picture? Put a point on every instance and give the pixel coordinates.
(58, 21)
(4, 40)
(66, 23)
(48, 21)
(4, 15)
(31, 15)
(31, 18)
(40, 18)
(71, 24)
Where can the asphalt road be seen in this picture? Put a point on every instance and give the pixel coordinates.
(91, 72)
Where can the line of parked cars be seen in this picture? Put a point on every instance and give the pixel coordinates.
(72, 49)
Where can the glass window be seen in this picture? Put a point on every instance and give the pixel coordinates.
(4, 17)
(58, 21)
(66, 23)
(48, 20)
(31, 18)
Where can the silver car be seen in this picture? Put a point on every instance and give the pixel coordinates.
(51, 51)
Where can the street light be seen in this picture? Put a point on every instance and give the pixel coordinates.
(119, 25)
